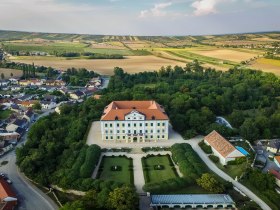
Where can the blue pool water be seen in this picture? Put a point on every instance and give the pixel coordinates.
(243, 151)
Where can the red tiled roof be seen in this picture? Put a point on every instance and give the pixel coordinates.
(275, 173)
(219, 143)
(5, 190)
(121, 108)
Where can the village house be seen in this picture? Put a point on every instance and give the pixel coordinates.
(4, 82)
(54, 83)
(48, 104)
(22, 123)
(222, 148)
(134, 121)
(14, 81)
(28, 104)
(273, 146)
(10, 137)
(29, 115)
(15, 108)
(8, 199)
(32, 82)
(77, 95)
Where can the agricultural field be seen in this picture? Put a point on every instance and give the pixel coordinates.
(145, 53)
(267, 65)
(7, 72)
(158, 168)
(131, 64)
(118, 169)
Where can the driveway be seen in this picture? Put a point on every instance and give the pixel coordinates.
(215, 169)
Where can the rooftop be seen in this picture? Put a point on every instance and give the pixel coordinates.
(118, 109)
(220, 144)
(277, 158)
(192, 199)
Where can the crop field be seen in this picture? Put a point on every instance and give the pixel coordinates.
(123, 172)
(158, 168)
(7, 72)
(145, 53)
(226, 54)
(131, 64)
(267, 65)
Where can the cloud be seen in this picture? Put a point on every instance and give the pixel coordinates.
(156, 11)
(205, 7)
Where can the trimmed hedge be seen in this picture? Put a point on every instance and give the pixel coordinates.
(190, 164)
(206, 148)
(91, 159)
(214, 158)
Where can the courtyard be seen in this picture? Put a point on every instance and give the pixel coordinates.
(158, 168)
(118, 169)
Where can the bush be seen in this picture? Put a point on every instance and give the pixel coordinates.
(206, 148)
(214, 158)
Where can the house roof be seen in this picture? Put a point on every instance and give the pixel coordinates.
(275, 173)
(151, 110)
(220, 144)
(277, 158)
(20, 122)
(5, 190)
(274, 144)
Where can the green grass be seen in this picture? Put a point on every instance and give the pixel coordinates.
(109, 51)
(259, 194)
(233, 170)
(205, 59)
(5, 114)
(152, 175)
(123, 176)
(50, 48)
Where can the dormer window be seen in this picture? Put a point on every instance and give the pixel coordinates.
(116, 118)
(153, 117)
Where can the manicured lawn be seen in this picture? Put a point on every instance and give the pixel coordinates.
(233, 170)
(158, 168)
(5, 114)
(123, 173)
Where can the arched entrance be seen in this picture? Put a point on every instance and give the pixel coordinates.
(135, 139)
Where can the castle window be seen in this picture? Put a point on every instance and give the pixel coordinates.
(106, 125)
(116, 118)
(153, 118)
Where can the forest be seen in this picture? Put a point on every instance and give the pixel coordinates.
(192, 97)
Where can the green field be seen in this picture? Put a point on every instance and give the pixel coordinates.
(124, 175)
(233, 170)
(152, 175)
(5, 114)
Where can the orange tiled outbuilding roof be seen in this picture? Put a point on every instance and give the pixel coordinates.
(5, 190)
(118, 109)
(277, 158)
(219, 143)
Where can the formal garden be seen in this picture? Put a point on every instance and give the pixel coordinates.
(116, 168)
(158, 168)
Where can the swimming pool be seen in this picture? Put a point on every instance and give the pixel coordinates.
(243, 151)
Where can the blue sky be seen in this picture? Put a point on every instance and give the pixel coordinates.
(141, 17)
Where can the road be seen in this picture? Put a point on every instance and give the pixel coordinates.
(215, 169)
(29, 196)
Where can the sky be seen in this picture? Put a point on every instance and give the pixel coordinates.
(140, 17)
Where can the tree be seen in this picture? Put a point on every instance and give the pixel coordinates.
(208, 182)
(248, 130)
(37, 106)
(2, 76)
(12, 74)
(123, 198)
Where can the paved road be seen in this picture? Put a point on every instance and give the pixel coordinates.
(215, 169)
(29, 196)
